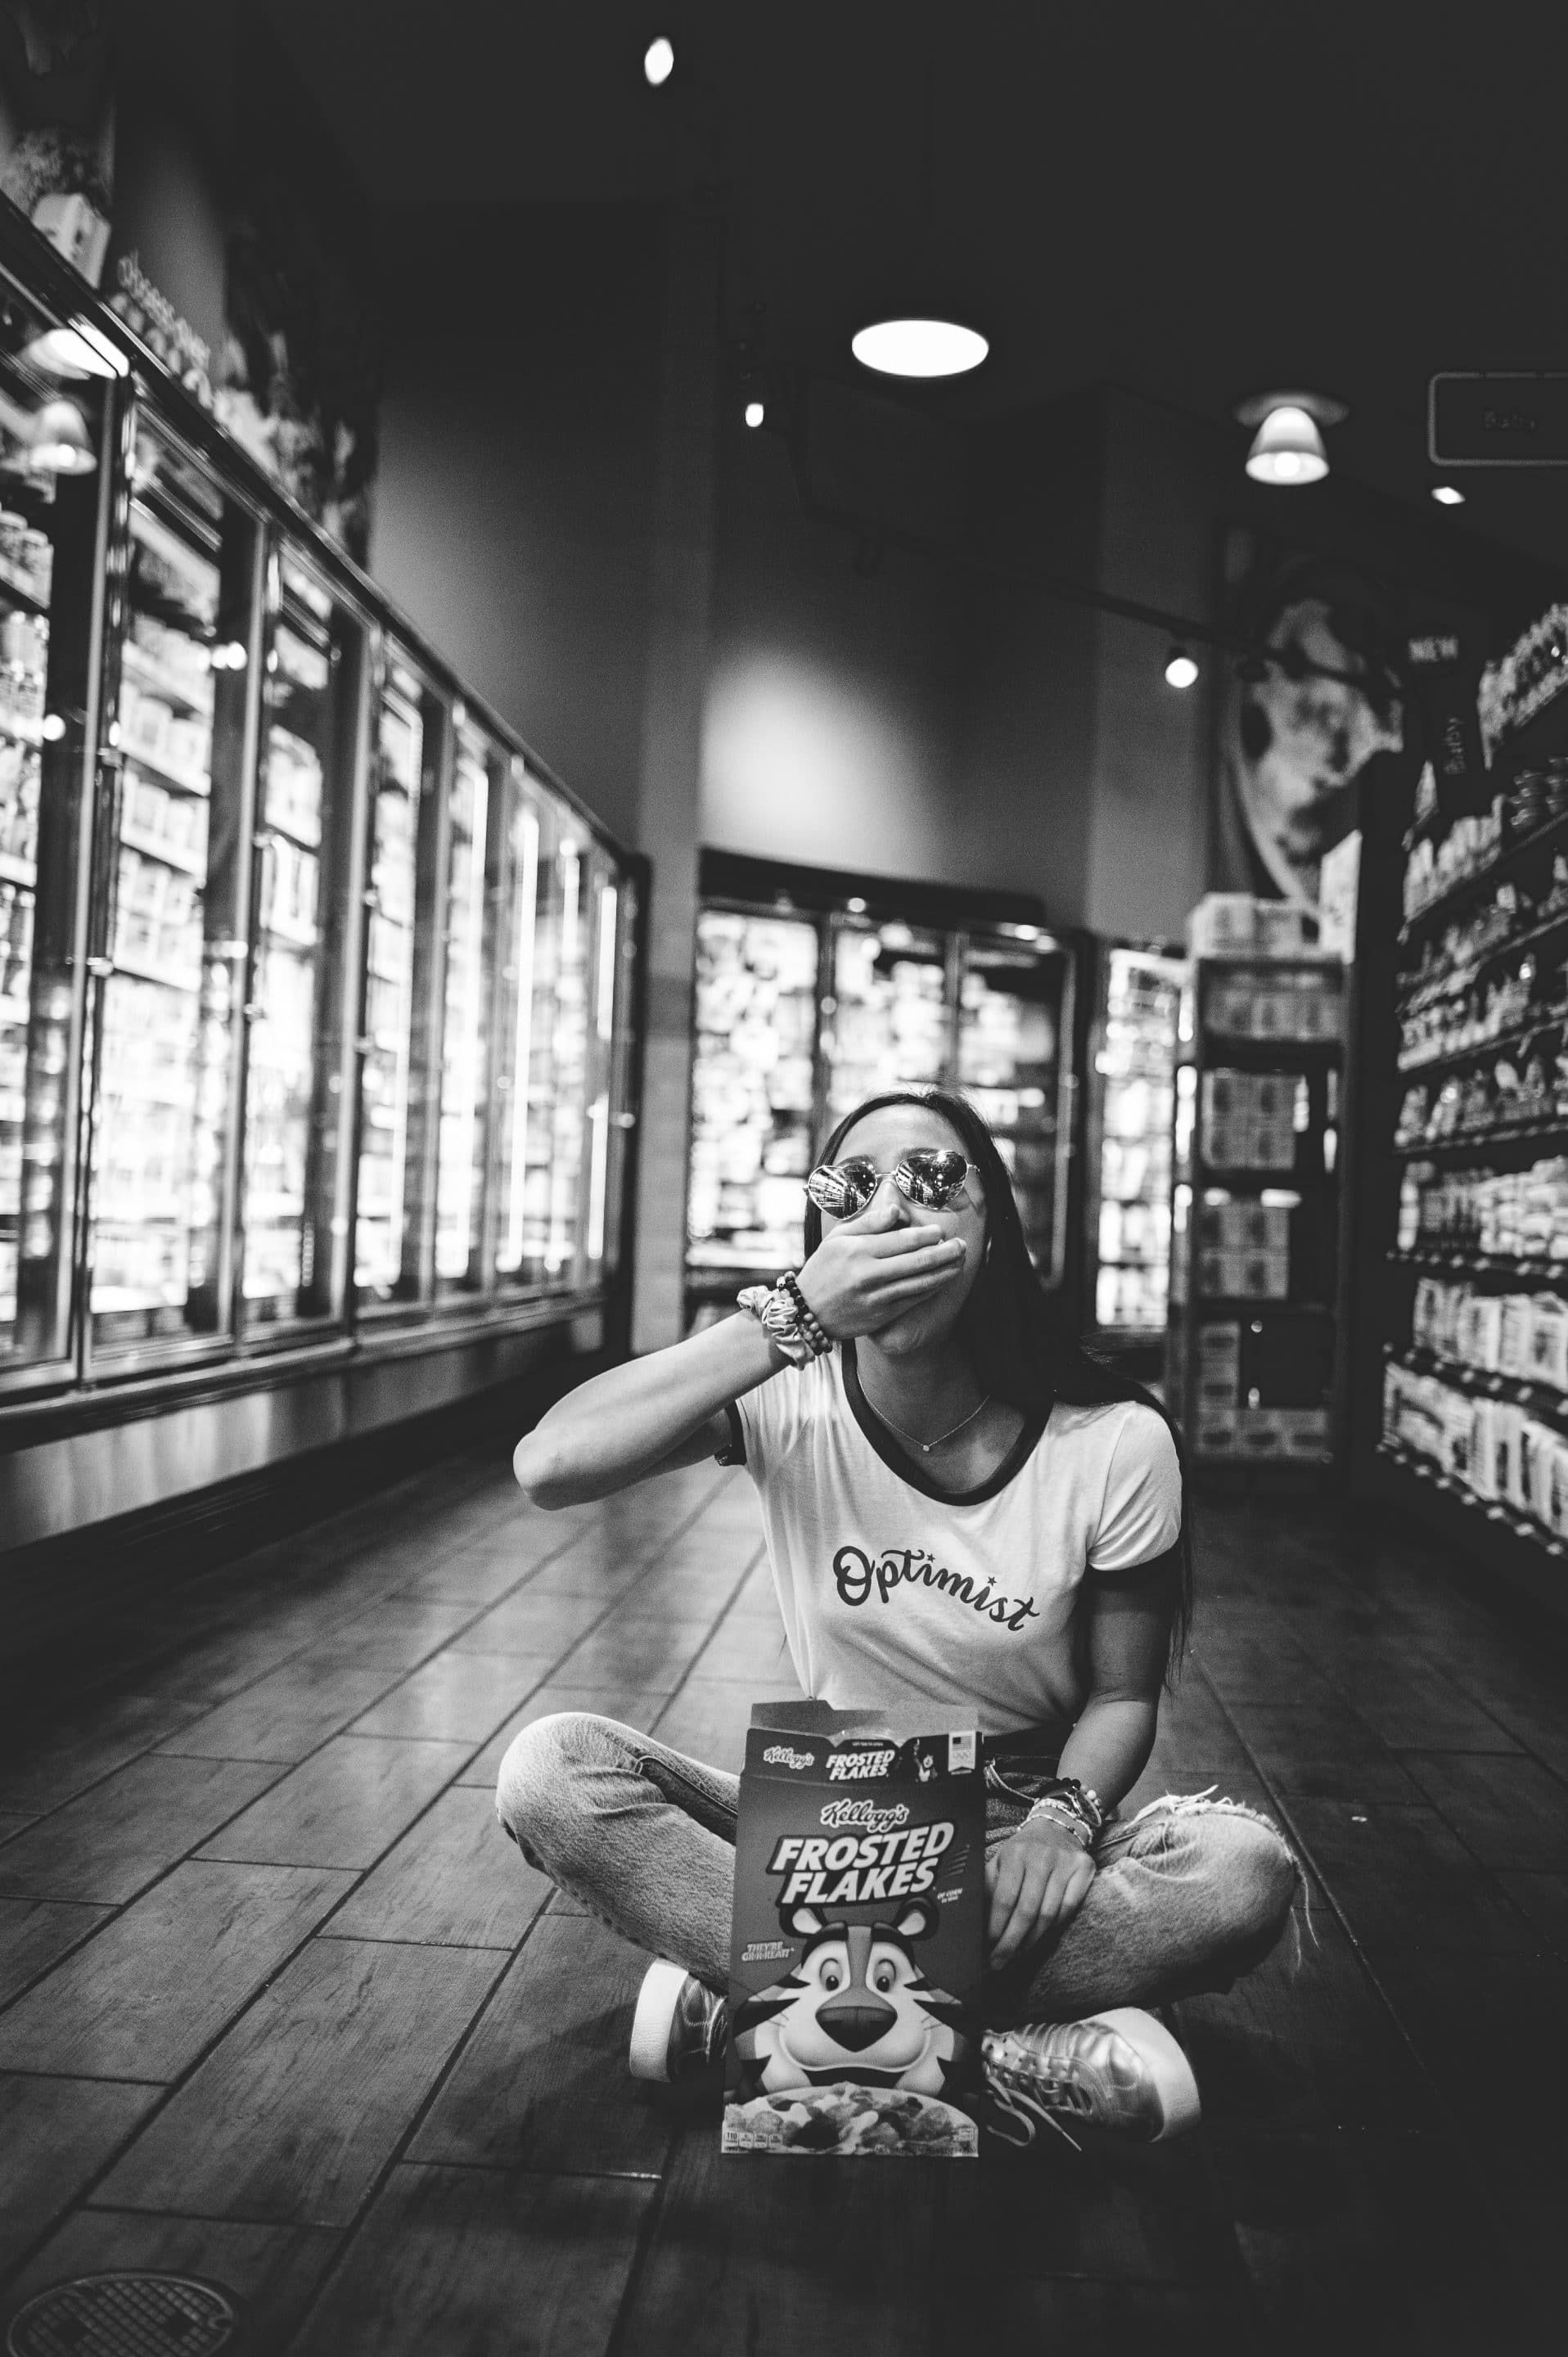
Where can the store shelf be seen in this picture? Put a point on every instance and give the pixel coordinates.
(1450, 1057)
(1479, 880)
(154, 847)
(1432, 990)
(1482, 1383)
(144, 970)
(167, 684)
(1480, 1265)
(305, 938)
(1483, 1141)
(167, 775)
(17, 871)
(23, 588)
(1486, 1510)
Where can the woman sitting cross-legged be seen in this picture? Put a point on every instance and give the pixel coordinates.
(971, 1522)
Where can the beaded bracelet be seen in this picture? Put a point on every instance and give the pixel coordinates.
(811, 1324)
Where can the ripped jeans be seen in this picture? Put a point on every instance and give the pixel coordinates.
(1189, 1894)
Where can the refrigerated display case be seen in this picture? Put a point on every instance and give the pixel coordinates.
(1133, 1055)
(316, 990)
(815, 992)
(52, 506)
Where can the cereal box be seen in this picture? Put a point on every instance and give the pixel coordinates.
(858, 1940)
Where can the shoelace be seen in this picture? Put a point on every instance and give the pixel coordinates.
(1018, 2100)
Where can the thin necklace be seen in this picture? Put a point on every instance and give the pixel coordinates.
(925, 1446)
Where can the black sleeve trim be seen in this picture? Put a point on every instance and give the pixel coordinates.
(733, 1453)
(1134, 1575)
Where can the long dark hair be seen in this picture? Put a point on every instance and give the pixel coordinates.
(1012, 1328)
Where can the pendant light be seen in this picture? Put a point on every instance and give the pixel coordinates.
(925, 341)
(1287, 449)
(60, 444)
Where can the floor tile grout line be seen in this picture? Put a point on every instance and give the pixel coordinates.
(1452, 2124)
(174, 2087)
(646, 2235)
(382, 2177)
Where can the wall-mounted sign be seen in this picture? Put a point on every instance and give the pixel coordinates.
(1474, 419)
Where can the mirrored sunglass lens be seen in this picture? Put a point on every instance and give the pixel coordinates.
(842, 1188)
(933, 1175)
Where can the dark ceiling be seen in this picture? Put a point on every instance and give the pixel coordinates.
(1195, 200)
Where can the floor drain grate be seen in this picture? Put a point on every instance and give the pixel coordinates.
(124, 2316)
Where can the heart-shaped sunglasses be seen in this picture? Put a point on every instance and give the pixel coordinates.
(931, 1175)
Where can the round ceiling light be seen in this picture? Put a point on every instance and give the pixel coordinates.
(1181, 670)
(659, 63)
(924, 348)
(1446, 496)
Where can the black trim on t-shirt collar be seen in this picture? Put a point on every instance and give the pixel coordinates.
(898, 1460)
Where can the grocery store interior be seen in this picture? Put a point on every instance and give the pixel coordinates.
(581, 591)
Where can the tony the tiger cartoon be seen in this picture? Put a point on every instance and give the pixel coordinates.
(856, 2007)
(855, 1971)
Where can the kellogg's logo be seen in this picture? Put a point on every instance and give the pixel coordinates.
(837, 1813)
(779, 1755)
(844, 1765)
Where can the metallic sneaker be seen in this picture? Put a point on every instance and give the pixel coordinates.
(678, 2030)
(1119, 2071)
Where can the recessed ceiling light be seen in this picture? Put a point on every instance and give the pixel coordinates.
(755, 413)
(1446, 496)
(1180, 669)
(659, 63)
(918, 348)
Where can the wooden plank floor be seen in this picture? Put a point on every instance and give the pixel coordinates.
(280, 2006)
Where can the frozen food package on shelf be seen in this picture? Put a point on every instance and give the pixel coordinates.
(858, 1944)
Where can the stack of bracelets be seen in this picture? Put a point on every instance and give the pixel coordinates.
(787, 1319)
(1073, 1806)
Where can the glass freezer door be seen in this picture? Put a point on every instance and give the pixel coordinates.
(406, 776)
(49, 531)
(293, 1100)
(889, 1024)
(753, 1091)
(465, 1120)
(1135, 1076)
(1015, 1023)
(164, 1131)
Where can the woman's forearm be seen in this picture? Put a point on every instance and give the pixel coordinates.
(1108, 1748)
(619, 1426)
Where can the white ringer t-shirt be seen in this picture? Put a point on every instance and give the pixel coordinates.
(939, 1610)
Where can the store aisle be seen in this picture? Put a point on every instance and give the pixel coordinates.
(280, 2007)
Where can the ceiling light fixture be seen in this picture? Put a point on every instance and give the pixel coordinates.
(755, 413)
(1446, 496)
(921, 348)
(60, 444)
(1181, 670)
(658, 62)
(1287, 447)
(79, 350)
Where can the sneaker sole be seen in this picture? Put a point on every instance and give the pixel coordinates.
(1165, 2063)
(661, 1992)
